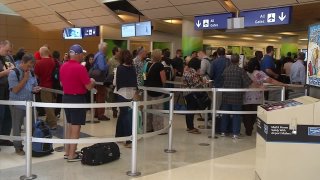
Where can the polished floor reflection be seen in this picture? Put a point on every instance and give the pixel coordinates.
(218, 159)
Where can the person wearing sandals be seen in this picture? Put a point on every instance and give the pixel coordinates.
(192, 79)
(125, 82)
(75, 82)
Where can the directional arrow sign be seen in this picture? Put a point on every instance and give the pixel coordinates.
(198, 24)
(267, 17)
(282, 17)
(216, 21)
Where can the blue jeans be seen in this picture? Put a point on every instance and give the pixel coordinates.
(236, 118)
(124, 123)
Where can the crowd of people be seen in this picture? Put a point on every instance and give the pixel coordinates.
(117, 80)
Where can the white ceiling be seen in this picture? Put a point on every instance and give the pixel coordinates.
(157, 9)
(42, 13)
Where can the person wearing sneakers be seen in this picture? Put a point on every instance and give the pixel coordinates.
(234, 77)
(75, 82)
(192, 79)
(22, 84)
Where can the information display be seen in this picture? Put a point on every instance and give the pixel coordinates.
(128, 30)
(72, 33)
(313, 59)
(267, 17)
(215, 21)
(143, 28)
(90, 31)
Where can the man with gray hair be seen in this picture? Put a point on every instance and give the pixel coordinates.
(5, 116)
(101, 68)
(43, 70)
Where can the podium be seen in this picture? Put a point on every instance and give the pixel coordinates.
(288, 140)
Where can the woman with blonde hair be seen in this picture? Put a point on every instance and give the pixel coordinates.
(155, 77)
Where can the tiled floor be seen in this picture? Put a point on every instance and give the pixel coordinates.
(222, 159)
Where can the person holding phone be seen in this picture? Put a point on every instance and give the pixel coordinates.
(22, 84)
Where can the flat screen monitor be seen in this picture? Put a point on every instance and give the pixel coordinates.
(90, 31)
(72, 33)
(128, 30)
(143, 28)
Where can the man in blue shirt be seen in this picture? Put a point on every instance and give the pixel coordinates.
(101, 65)
(218, 66)
(267, 63)
(21, 86)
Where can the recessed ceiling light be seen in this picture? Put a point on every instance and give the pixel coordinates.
(247, 38)
(303, 39)
(173, 21)
(272, 40)
(288, 33)
(219, 36)
(257, 35)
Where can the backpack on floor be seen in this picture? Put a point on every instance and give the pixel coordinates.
(41, 130)
(100, 153)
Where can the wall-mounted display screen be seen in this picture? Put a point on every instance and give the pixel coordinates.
(143, 28)
(72, 33)
(128, 30)
(90, 31)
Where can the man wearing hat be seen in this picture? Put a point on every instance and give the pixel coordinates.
(75, 83)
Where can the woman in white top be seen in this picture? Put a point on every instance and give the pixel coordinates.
(253, 99)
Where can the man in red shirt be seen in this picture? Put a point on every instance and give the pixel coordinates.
(75, 83)
(43, 70)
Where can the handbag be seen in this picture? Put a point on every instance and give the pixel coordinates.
(202, 99)
(100, 153)
(178, 106)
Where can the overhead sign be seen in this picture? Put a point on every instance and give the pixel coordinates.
(267, 17)
(218, 21)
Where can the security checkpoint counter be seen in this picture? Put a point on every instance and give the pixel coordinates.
(288, 140)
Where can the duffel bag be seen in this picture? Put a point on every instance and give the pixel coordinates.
(100, 153)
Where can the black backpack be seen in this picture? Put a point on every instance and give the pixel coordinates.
(100, 153)
(41, 130)
(169, 73)
(55, 76)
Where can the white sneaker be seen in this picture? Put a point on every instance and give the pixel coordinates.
(222, 134)
(235, 137)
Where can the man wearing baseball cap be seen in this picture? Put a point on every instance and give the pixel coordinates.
(75, 82)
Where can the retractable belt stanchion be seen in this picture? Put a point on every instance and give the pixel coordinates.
(28, 142)
(145, 98)
(171, 109)
(92, 93)
(283, 93)
(214, 104)
(306, 91)
(134, 171)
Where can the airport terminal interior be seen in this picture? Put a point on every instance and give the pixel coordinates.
(284, 142)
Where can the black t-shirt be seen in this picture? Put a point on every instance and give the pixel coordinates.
(153, 77)
(177, 63)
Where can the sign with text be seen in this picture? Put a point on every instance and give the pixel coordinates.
(217, 21)
(267, 17)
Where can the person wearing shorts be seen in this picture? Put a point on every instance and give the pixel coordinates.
(75, 82)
